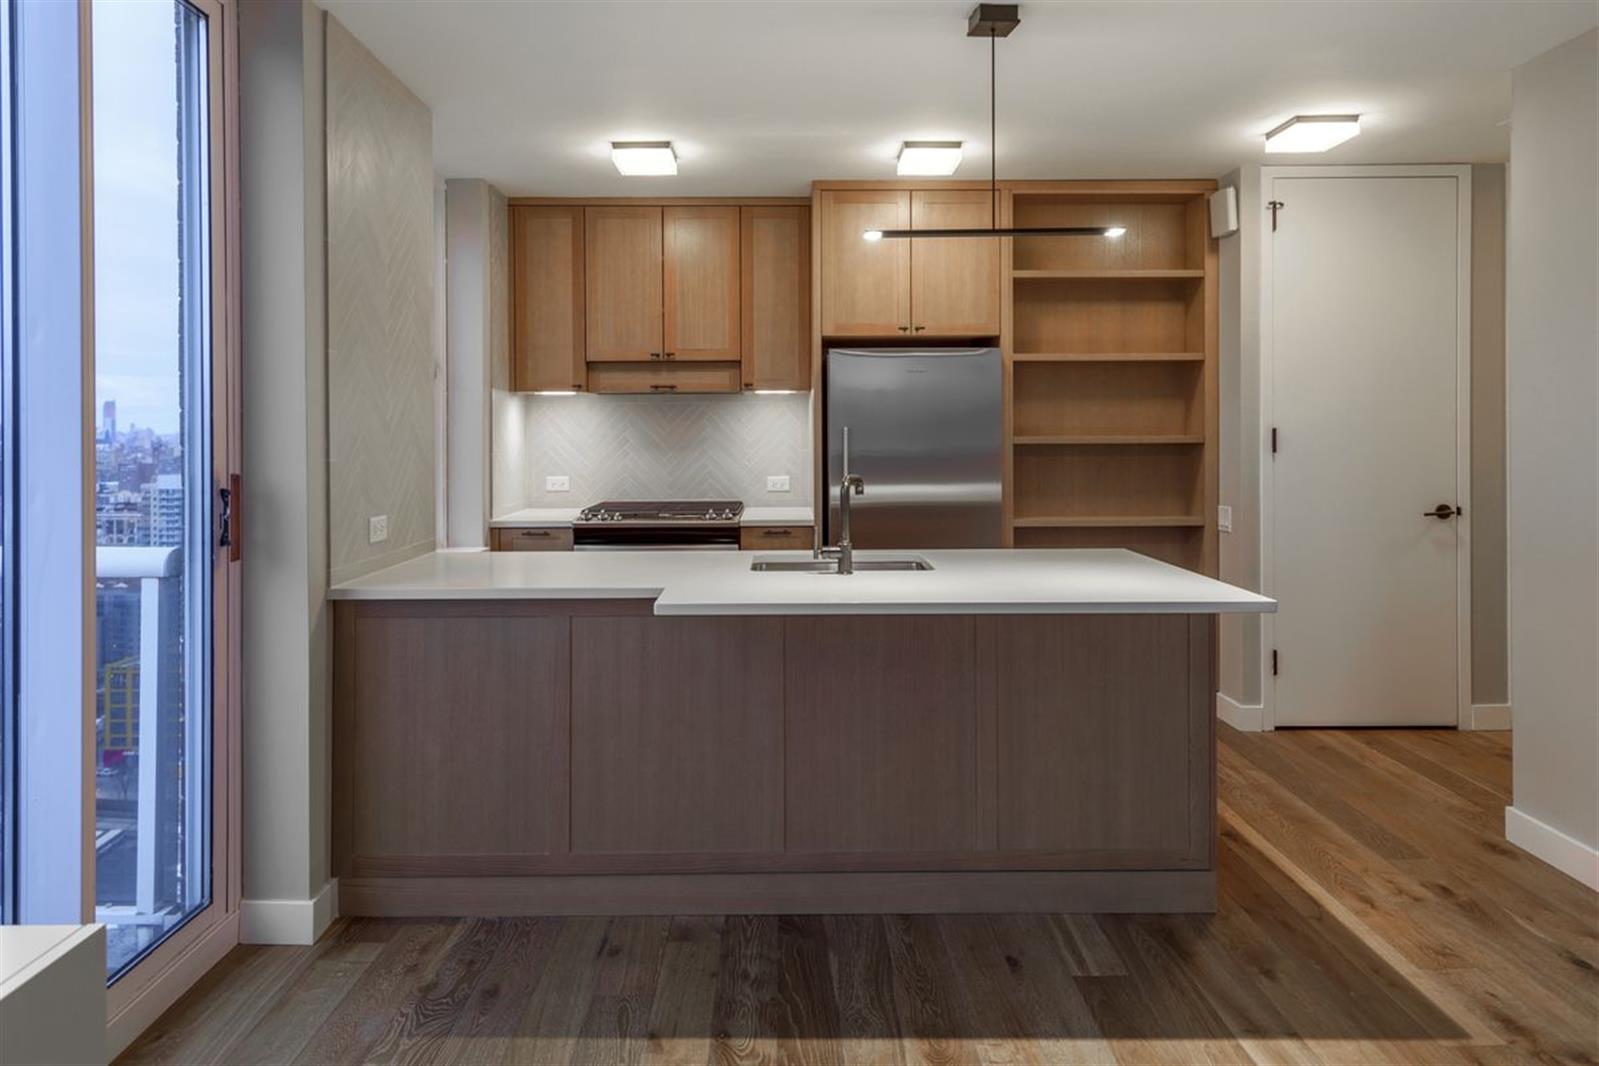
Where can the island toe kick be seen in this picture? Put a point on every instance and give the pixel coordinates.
(540, 757)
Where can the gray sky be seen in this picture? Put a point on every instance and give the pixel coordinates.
(135, 212)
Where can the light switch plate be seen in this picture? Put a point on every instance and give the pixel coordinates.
(777, 483)
(558, 483)
(1224, 518)
(377, 529)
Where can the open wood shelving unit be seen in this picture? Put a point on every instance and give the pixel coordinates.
(1111, 350)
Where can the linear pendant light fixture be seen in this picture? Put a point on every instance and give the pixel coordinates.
(995, 21)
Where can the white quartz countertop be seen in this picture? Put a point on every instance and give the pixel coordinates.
(547, 517)
(976, 581)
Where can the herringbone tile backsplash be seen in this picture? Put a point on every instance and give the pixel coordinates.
(653, 447)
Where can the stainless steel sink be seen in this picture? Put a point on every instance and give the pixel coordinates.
(830, 566)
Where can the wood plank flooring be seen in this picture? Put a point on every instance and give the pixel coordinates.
(1370, 912)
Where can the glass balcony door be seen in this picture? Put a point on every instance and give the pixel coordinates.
(163, 413)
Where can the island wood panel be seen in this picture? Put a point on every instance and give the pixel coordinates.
(451, 733)
(776, 267)
(547, 318)
(701, 282)
(623, 272)
(955, 282)
(880, 734)
(866, 285)
(677, 732)
(1096, 727)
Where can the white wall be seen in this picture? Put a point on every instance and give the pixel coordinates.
(471, 232)
(1553, 352)
(285, 625)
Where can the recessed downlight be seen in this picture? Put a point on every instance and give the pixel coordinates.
(929, 158)
(1312, 133)
(644, 158)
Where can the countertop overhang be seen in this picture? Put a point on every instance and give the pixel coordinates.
(970, 581)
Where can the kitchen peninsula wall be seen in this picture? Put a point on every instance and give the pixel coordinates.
(649, 447)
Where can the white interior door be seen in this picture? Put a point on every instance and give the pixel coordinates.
(1365, 318)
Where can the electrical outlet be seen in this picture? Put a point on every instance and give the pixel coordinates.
(558, 483)
(1224, 518)
(777, 483)
(377, 529)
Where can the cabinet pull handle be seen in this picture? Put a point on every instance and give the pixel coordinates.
(904, 329)
(543, 534)
(777, 532)
(655, 355)
(920, 328)
(671, 355)
(663, 388)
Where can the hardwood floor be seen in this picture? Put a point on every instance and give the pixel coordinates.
(1370, 912)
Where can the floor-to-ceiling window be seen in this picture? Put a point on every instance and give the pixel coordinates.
(153, 462)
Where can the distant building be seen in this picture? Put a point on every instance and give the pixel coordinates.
(163, 500)
(108, 421)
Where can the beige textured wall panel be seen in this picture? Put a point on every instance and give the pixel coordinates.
(380, 305)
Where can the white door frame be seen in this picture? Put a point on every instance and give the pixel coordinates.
(1268, 529)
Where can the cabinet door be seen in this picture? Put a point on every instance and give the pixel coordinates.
(866, 285)
(546, 298)
(702, 283)
(777, 297)
(624, 283)
(954, 282)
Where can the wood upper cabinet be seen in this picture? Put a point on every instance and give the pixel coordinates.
(623, 269)
(777, 297)
(701, 283)
(954, 281)
(546, 298)
(866, 285)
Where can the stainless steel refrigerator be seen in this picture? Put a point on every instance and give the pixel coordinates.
(925, 432)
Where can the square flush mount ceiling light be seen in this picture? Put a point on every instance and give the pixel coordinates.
(1312, 133)
(644, 158)
(922, 158)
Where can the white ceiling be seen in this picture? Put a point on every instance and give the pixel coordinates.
(762, 97)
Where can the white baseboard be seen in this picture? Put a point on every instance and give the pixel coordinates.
(1248, 717)
(1490, 716)
(289, 921)
(1565, 853)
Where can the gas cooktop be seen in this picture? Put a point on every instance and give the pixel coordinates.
(663, 512)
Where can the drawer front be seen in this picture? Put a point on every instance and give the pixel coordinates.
(759, 538)
(663, 377)
(533, 540)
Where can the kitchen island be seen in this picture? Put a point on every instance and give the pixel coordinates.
(672, 732)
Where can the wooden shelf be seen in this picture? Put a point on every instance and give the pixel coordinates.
(1108, 357)
(1097, 521)
(1108, 275)
(1034, 440)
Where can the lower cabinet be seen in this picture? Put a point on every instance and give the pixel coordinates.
(478, 743)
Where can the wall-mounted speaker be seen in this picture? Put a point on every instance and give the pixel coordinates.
(1224, 212)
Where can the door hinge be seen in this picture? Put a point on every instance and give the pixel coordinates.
(1274, 662)
(1274, 206)
(1274, 440)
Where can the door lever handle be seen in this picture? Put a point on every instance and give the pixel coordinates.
(1443, 510)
